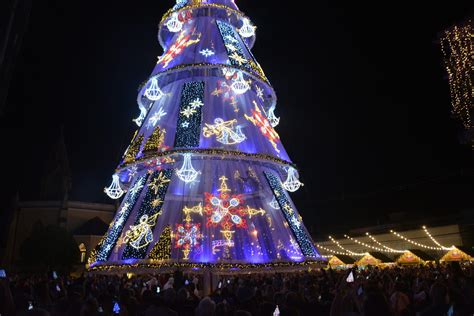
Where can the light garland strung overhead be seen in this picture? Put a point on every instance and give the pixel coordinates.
(247, 30)
(153, 92)
(380, 244)
(373, 247)
(187, 173)
(239, 85)
(347, 250)
(435, 241)
(174, 24)
(414, 242)
(114, 191)
(292, 183)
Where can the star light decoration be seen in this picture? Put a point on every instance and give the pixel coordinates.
(224, 131)
(206, 52)
(184, 40)
(156, 117)
(114, 191)
(227, 211)
(259, 92)
(238, 59)
(188, 235)
(264, 125)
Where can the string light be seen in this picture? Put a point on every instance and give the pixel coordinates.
(292, 183)
(347, 250)
(188, 135)
(332, 251)
(435, 241)
(162, 249)
(456, 45)
(372, 247)
(234, 49)
(114, 191)
(380, 244)
(414, 242)
(153, 92)
(187, 173)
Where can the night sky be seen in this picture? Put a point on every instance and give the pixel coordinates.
(362, 94)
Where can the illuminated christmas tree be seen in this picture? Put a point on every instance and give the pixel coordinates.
(206, 176)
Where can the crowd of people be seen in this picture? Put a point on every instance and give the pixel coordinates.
(425, 291)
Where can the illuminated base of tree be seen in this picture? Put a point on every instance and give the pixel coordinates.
(146, 266)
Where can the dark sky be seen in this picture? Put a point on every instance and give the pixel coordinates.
(363, 99)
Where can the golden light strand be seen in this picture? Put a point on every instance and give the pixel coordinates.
(414, 242)
(382, 245)
(370, 246)
(347, 250)
(435, 241)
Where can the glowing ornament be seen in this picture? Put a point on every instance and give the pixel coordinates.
(187, 237)
(238, 59)
(247, 30)
(239, 85)
(141, 117)
(187, 173)
(206, 52)
(274, 203)
(197, 103)
(114, 191)
(265, 127)
(272, 118)
(259, 92)
(292, 183)
(225, 131)
(178, 47)
(153, 92)
(156, 117)
(140, 235)
(227, 210)
(174, 24)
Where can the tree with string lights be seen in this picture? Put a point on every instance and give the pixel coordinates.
(206, 180)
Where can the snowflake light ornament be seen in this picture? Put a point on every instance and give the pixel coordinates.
(206, 52)
(155, 118)
(114, 191)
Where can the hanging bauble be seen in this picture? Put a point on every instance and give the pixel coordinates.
(239, 85)
(187, 173)
(139, 119)
(174, 24)
(247, 30)
(153, 92)
(114, 191)
(292, 183)
(272, 118)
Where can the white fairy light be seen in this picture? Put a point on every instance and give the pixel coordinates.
(153, 92)
(141, 117)
(385, 249)
(347, 250)
(272, 118)
(174, 24)
(247, 30)
(414, 242)
(380, 244)
(239, 85)
(114, 191)
(292, 183)
(435, 241)
(187, 173)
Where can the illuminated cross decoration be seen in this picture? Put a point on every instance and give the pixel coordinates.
(259, 120)
(188, 235)
(177, 48)
(226, 210)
